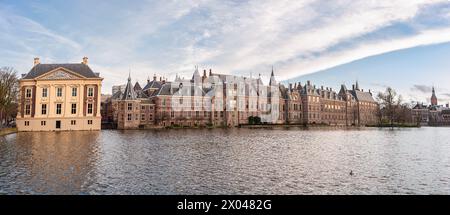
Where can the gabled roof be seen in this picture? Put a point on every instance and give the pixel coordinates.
(362, 96)
(152, 85)
(79, 68)
(137, 87)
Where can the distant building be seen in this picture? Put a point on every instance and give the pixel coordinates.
(226, 100)
(117, 88)
(433, 115)
(55, 97)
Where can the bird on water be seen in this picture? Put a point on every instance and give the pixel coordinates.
(351, 172)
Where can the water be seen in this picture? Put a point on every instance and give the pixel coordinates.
(233, 161)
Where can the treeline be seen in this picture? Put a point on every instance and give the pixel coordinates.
(8, 95)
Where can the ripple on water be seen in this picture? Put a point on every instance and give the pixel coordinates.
(233, 161)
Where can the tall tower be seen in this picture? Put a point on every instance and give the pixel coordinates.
(434, 101)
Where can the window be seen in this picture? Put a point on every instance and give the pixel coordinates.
(172, 114)
(90, 91)
(44, 109)
(130, 106)
(129, 117)
(89, 122)
(143, 117)
(43, 123)
(74, 91)
(74, 122)
(142, 107)
(27, 123)
(137, 117)
(59, 92)
(27, 109)
(28, 93)
(44, 92)
(74, 109)
(89, 110)
(58, 108)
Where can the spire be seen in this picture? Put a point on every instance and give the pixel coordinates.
(196, 76)
(357, 85)
(129, 75)
(129, 93)
(272, 82)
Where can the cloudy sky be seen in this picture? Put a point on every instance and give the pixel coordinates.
(400, 42)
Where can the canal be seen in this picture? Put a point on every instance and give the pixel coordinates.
(227, 161)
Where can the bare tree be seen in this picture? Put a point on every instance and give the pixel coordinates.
(390, 102)
(8, 94)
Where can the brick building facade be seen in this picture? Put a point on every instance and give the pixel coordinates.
(226, 100)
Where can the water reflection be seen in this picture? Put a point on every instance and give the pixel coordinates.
(48, 162)
(228, 161)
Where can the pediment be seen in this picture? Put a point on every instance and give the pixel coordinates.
(60, 74)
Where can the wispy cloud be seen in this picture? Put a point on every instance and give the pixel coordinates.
(421, 88)
(238, 37)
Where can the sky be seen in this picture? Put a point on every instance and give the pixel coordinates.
(398, 43)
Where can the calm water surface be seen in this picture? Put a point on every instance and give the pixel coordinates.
(233, 161)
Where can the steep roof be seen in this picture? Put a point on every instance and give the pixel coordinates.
(79, 68)
(129, 93)
(152, 84)
(362, 96)
(137, 87)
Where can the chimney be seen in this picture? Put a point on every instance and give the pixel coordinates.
(309, 83)
(85, 60)
(154, 77)
(290, 86)
(210, 72)
(160, 78)
(353, 87)
(36, 61)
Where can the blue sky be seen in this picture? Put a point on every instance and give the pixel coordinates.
(402, 43)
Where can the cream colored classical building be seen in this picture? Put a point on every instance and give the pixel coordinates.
(59, 97)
